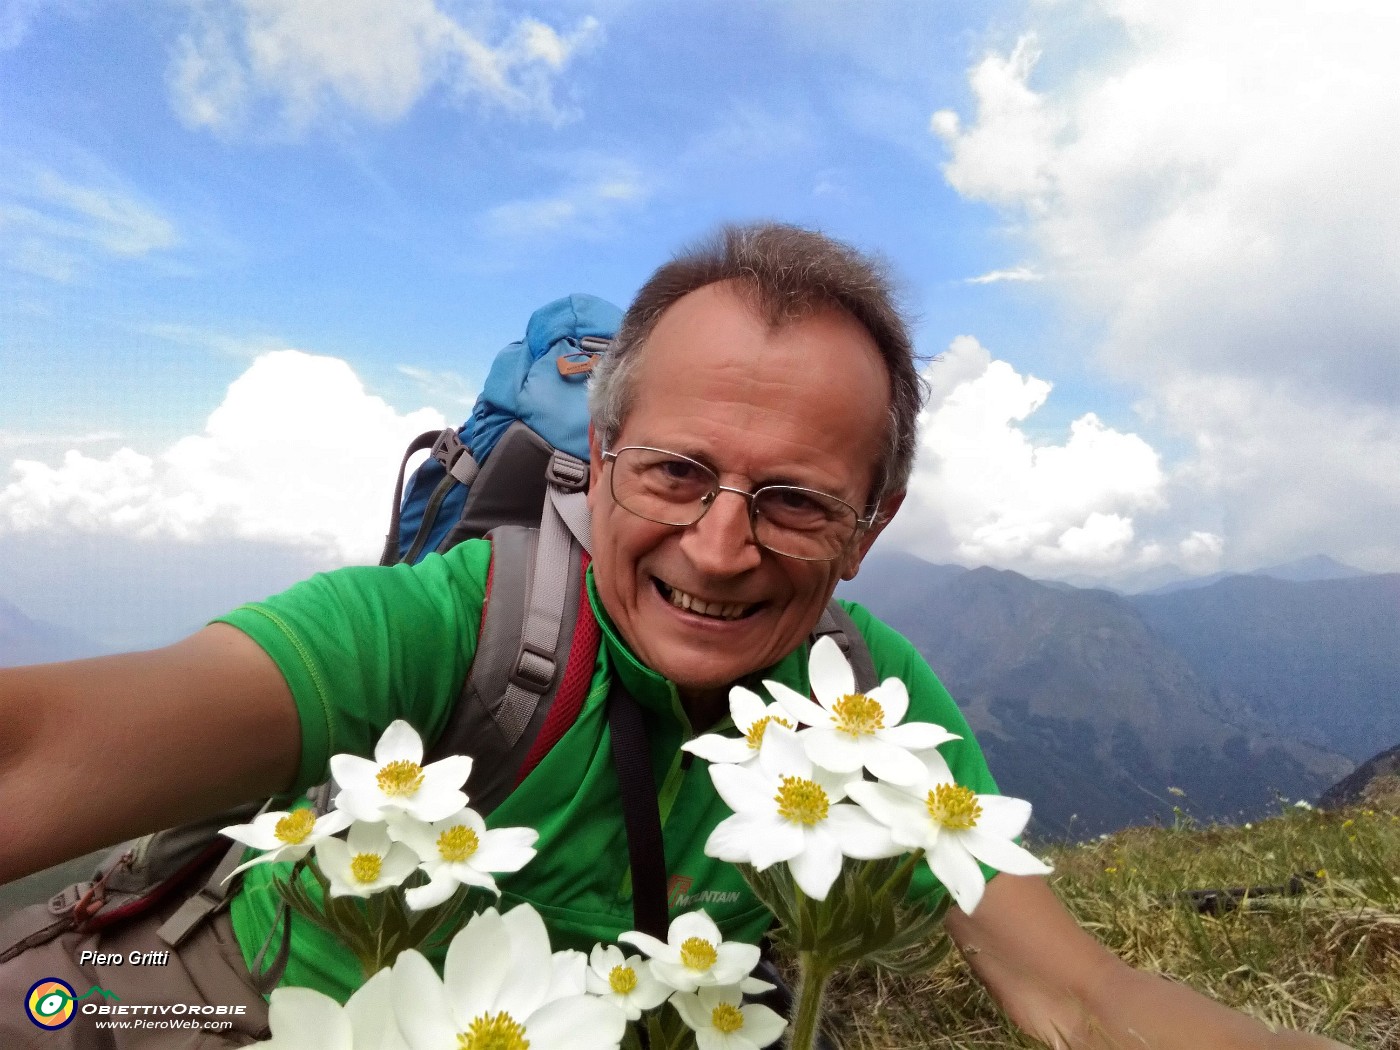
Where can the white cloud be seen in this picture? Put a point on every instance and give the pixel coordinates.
(1017, 273)
(309, 59)
(586, 208)
(52, 227)
(982, 492)
(298, 455)
(1218, 193)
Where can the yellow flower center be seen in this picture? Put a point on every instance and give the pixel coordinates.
(457, 843)
(953, 806)
(726, 1018)
(754, 736)
(858, 715)
(295, 826)
(802, 801)
(622, 979)
(401, 777)
(698, 954)
(494, 1032)
(366, 866)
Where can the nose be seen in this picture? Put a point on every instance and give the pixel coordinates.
(722, 543)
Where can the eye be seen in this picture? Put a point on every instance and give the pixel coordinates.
(794, 508)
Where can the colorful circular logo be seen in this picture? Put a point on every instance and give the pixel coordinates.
(49, 1003)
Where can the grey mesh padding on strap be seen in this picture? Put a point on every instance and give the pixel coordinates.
(837, 624)
(474, 727)
(510, 488)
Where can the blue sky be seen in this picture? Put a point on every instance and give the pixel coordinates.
(248, 248)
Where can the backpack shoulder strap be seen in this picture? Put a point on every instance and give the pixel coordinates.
(836, 623)
(538, 643)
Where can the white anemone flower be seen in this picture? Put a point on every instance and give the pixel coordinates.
(751, 717)
(397, 781)
(305, 1019)
(461, 851)
(721, 1021)
(366, 862)
(625, 981)
(285, 835)
(695, 954)
(787, 809)
(954, 827)
(499, 991)
(851, 730)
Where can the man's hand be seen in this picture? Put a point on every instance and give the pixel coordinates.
(1060, 985)
(96, 751)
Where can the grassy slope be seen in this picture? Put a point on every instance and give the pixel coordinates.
(1325, 960)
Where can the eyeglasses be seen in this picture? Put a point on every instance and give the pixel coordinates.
(671, 489)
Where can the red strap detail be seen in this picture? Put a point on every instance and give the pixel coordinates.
(578, 675)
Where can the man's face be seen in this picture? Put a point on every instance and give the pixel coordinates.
(805, 404)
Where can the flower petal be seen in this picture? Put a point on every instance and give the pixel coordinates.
(860, 835)
(531, 962)
(1003, 854)
(834, 750)
(905, 816)
(477, 965)
(441, 886)
(578, 1022)
(816, 867)
(371, 1013)
(956, 869)
(352, 771)
(302, 1017)
(830, 675)
(645, 942)
(893, 698)
(743, 788)
(505, 849)
(400, 743)
(918, 736)
(720, 749)
(1003, 817)
(797, 705)
(693, 924)
(745, 707)
(892, 763)
(421, 1007)
(762, 1025)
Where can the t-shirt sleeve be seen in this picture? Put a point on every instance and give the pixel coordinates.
(360, 647)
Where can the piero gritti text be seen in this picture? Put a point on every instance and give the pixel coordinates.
(118, 959)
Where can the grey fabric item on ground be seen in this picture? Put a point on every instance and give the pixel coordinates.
(207, 970)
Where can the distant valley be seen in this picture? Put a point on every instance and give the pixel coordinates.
(1096, 705)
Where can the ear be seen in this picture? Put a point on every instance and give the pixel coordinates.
(888, 507)
(595, 458)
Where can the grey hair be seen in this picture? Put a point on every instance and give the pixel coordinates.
(788, 273)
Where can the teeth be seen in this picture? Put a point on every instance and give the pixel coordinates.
(720, 610)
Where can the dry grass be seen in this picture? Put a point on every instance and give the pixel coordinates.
(1326, 959)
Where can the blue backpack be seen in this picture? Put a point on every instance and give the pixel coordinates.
(491, 471)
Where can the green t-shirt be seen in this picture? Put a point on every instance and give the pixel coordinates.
(360, 647)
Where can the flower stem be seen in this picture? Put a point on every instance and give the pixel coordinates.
(811, 990)
(909, 861)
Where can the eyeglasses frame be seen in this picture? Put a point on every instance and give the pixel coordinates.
(707, 501)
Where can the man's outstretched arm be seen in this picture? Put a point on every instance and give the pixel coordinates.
(1060, 985)
(96, 751)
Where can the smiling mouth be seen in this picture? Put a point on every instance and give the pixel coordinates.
(714, 610)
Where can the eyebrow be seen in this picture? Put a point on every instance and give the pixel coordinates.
(776, 479)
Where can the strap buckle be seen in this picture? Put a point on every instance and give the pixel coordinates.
(534, 669)
(566, 472)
